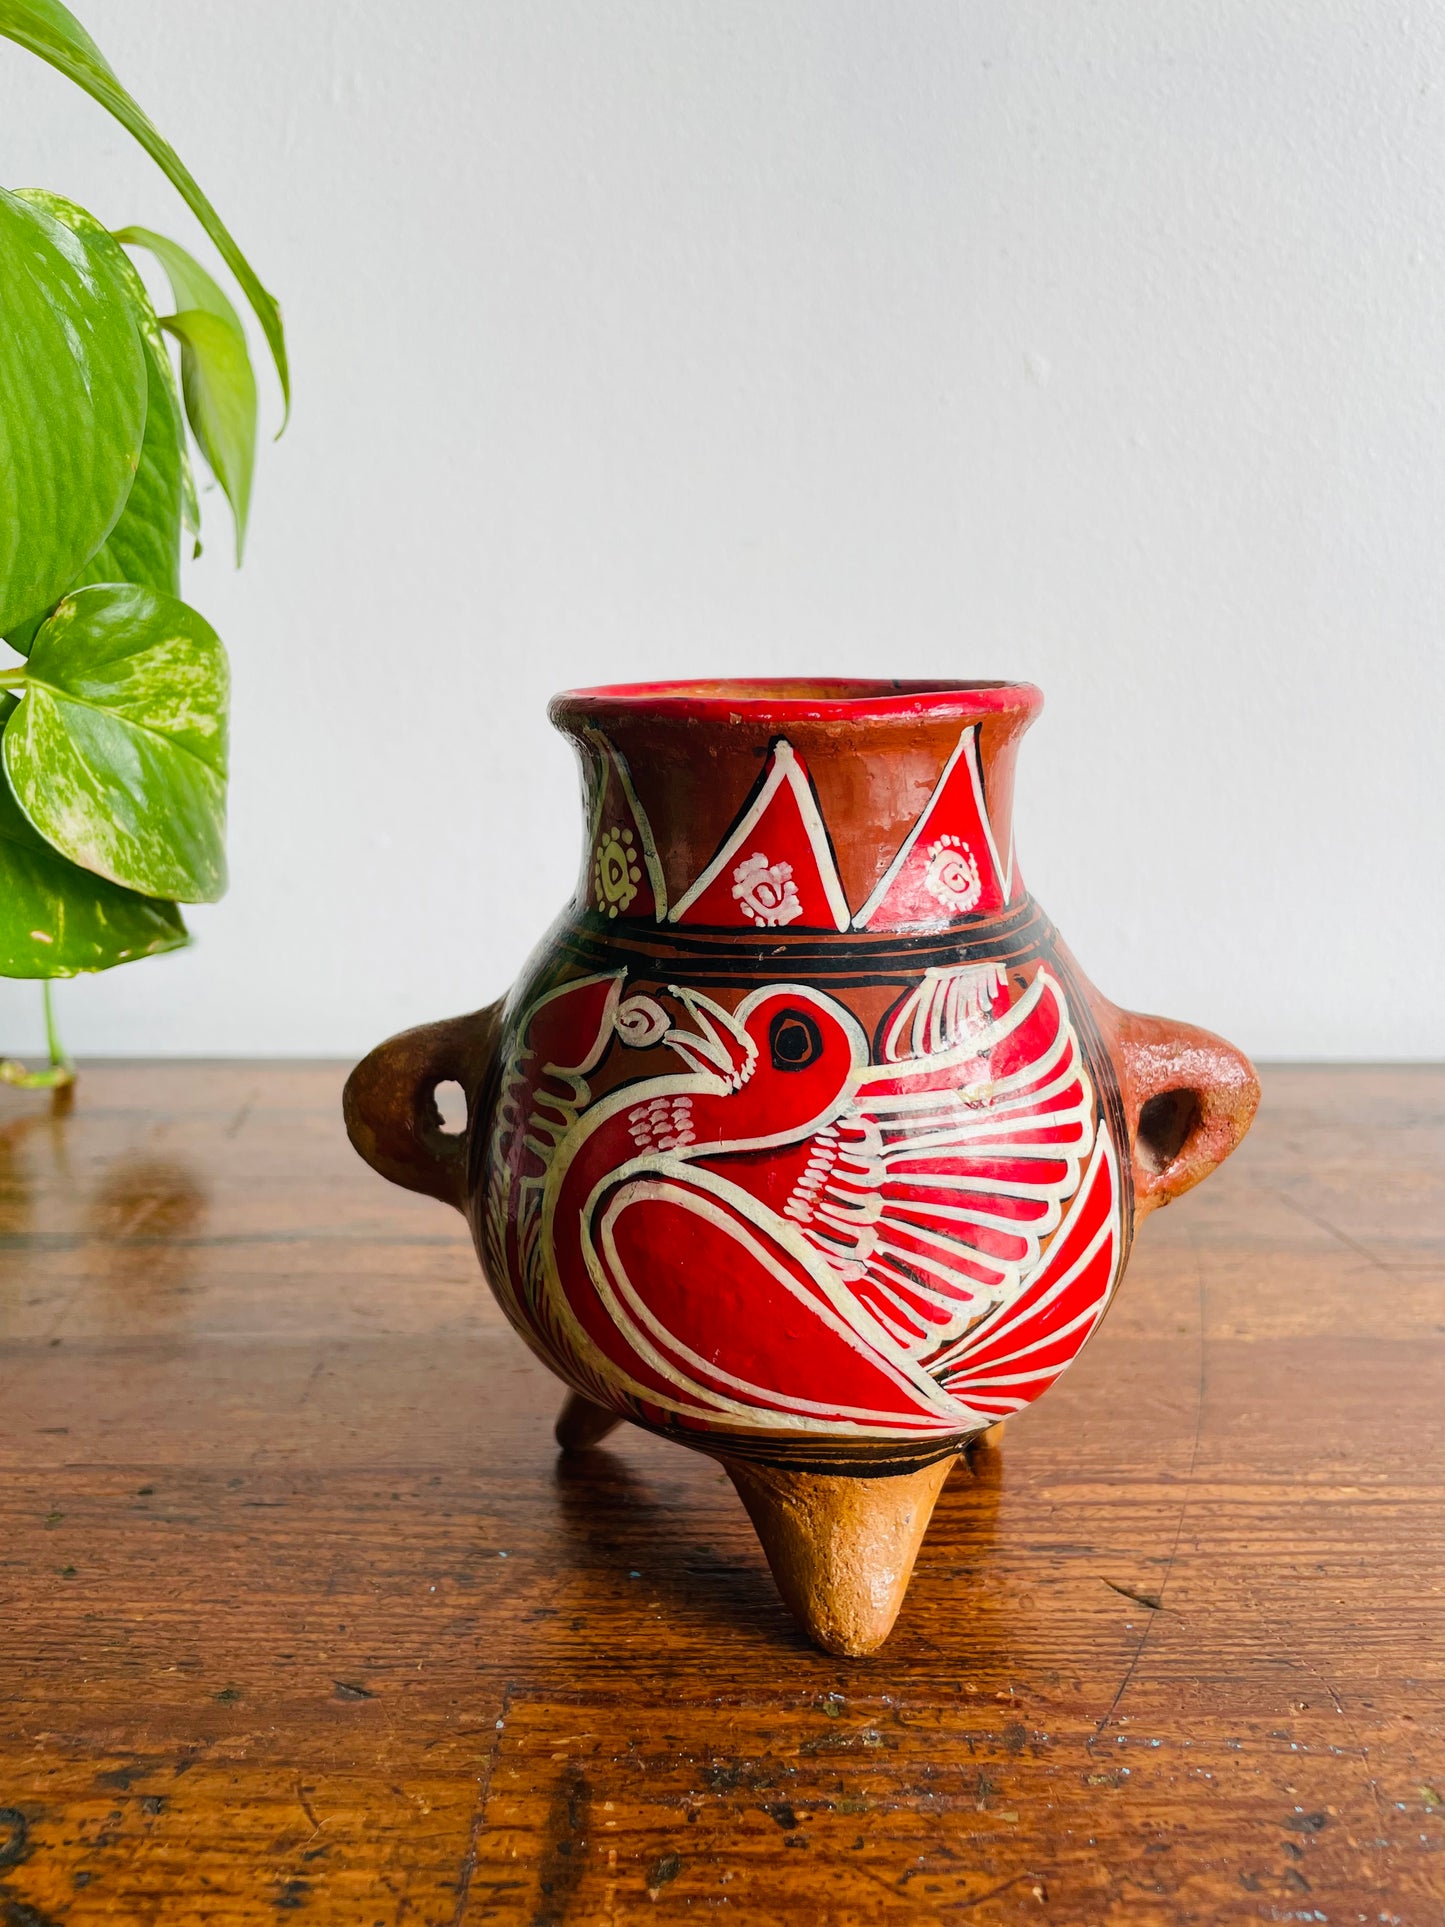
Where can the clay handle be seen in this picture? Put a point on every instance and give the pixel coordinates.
(390, 1102)
(1189, 1098)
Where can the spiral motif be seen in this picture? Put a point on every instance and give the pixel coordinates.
(952, 877)
(640, 1021)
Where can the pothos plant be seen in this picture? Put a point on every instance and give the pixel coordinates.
(114, 693)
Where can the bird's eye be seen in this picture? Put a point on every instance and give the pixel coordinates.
(794, 1040)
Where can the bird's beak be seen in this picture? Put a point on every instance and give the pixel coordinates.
(717, 1045)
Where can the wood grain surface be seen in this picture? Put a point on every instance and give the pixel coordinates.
(303, 1617)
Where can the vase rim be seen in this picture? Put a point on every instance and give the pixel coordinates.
(796, 698)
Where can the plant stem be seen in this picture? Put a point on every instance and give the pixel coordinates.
(58, 1059)
(61, 1071)
(12, 678)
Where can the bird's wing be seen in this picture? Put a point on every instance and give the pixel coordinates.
(1020, 1348)
(933, 1191)
(701, 1304)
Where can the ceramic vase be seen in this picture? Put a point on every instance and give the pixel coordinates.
(802, 1139)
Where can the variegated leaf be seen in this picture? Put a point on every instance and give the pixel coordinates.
(117, 754)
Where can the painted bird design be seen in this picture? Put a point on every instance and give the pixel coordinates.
(786, 1233)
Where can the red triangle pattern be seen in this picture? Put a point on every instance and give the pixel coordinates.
(948, 866)
(776, 870)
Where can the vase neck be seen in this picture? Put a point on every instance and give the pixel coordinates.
(761, 818)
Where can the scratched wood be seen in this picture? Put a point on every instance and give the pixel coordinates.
(301, 1615)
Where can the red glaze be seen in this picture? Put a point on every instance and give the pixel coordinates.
(803, 1137)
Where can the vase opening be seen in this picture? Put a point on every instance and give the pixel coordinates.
(822, 698)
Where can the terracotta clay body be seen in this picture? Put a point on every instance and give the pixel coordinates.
(802, 1139)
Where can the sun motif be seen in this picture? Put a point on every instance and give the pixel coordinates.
(616, 871)
(952, 877)
(766, 893)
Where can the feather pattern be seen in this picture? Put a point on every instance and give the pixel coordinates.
(1019, 1349)
(934, 1188)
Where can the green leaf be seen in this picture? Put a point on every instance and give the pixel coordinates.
(56, 920)
(53, 32)
(191, 286)
(224, 389)
(220, 392)
(72, 407)
(145, 544)
(117, 754)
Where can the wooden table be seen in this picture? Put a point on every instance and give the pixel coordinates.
(301, 1614)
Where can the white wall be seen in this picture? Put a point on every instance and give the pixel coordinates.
(1101, 344)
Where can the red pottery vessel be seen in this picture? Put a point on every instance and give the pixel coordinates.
(802, 1139)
